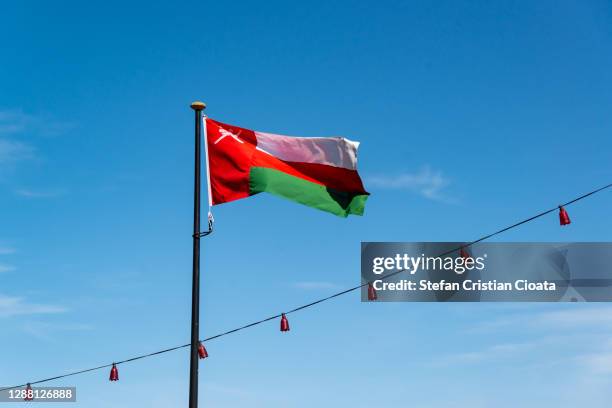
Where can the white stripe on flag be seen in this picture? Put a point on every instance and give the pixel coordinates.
(332, 151)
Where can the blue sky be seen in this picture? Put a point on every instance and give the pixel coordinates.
(472, 115)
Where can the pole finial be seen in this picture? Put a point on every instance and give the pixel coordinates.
(198, 106)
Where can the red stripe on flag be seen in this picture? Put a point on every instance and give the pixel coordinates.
(333, 177)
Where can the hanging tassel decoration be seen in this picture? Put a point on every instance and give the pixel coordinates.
(284, 324)
(564, 218)
(372, 295)
(29, 394)
(202, 353)
(114, 373)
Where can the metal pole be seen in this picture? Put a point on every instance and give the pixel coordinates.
(198, 107)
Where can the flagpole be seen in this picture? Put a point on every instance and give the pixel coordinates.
(198, 107)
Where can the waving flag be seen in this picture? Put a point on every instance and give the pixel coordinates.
(320, 172)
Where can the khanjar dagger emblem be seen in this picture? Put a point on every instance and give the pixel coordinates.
(227, 133)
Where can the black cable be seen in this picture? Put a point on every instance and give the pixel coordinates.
(316, 302)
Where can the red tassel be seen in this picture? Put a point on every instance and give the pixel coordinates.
(29, 395)
(372, 295)
(564, 218)
(202, 351)
(464, 253)
(284, 325)
(114, 373)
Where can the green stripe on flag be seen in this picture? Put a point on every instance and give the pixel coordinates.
(314, 195)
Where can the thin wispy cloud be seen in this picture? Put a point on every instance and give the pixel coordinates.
(16, 131)
(15, 121)
(597, 360)
(242, 395)
(598, 318)
(5, 250)
(30, 193)
(426, 182)
(597, 363)
(12, 121)
(495, 352)
(315, 285)
(12, 151)
(6, 268)
(18, 306)
(46, 329)
(584, 325)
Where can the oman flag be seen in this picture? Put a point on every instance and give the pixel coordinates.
(319, 172)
